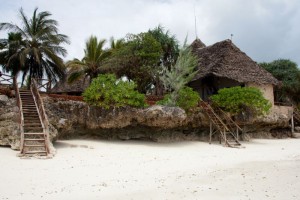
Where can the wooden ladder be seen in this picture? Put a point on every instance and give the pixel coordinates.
(223, 124)
(34, 139)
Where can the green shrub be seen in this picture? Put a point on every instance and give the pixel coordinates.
(237, 99)
(106, 91)
(187, 99)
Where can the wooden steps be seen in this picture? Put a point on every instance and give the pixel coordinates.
(222, 124)
(34, 139)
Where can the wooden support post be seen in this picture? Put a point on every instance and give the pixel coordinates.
(225, 139)
(210, 131)
(293, 125)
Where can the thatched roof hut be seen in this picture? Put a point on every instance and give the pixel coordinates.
(74, 88)
(224, 65)
(224, 59)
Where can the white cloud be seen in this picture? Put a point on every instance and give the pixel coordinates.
(264, 29)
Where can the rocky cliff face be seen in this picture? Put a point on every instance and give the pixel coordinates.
(9, 122)
(72, 118)
(158, 123)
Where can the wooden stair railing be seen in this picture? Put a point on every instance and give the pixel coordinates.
(43, 84)
(232, 125)
(21, 116)
(226, 127)
(7, 80)
(41, 112)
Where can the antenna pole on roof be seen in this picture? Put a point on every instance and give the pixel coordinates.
(231, 36)
(195, 23)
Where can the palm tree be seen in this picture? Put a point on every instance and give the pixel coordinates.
(91, 64)
(40, 53)
(116, 44)
(10, 52)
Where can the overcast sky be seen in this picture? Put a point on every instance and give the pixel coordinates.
(265, 29)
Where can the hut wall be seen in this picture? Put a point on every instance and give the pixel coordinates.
(267, 91)
(221, 83)
(211, 84)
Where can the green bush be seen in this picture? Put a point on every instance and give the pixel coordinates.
(108, 91)
(187, 98)
(240, 99)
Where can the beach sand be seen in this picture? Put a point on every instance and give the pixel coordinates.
(95, 169)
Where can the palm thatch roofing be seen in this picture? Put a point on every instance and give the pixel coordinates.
(197, 44)
(224, 59)
(77, 86)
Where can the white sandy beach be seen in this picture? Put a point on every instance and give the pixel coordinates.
(85, 169)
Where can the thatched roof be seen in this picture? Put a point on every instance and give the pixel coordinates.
(197, 44)
(77, 86)
(224, 59)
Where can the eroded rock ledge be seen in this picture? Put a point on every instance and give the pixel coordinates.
(158, 123)
(71, 119)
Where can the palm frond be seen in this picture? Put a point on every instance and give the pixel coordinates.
(75, 76)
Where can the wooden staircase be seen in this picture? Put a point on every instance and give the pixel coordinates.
(34, 140)
(221, 123)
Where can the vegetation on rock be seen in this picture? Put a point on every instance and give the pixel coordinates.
(236, 100)
(108, 91)
(187, 98)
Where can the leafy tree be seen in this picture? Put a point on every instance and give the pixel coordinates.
(136, 59)
(288, 73)
(169, 44)
(187, 98)
(168, 57)
(175, 78)
(40, 53)
(106, 91)
(140, 57)
(240, 99)
(91, 63)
